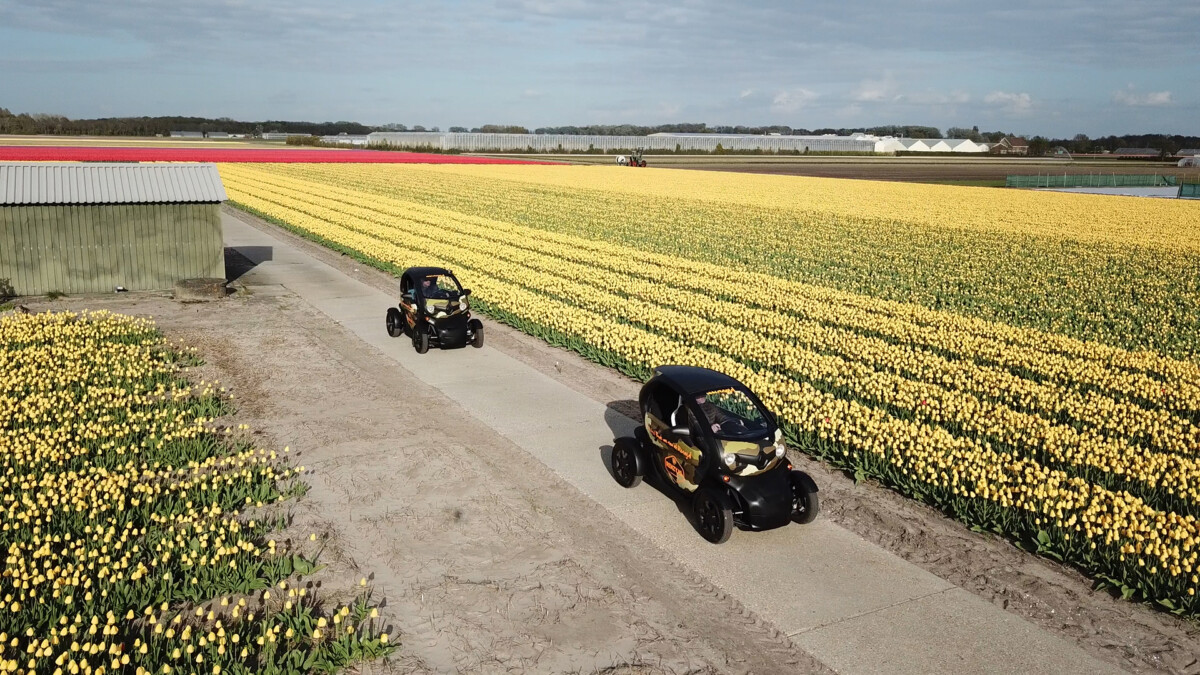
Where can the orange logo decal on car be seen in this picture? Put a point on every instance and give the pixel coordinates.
(673, 466)
(681, 449)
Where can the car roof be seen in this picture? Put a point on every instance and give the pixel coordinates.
(416, 272)
(695, 380)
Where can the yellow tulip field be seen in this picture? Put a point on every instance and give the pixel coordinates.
(123, 517)
(1123, 273)
(1027, 372)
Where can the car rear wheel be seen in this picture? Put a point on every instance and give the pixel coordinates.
(714, 515)
(395, 322)
(623, 462)
(805, 505)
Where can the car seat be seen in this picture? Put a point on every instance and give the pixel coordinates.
(678, 415)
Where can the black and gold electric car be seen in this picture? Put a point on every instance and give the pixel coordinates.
(709, 439)
(434, 310)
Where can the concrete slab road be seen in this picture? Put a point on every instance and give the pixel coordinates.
(847, 602)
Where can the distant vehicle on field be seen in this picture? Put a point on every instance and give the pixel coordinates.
(634, 159)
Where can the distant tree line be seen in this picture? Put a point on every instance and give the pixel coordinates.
(29, 124)
(405, 127)
(25, 123)
(1166, 144)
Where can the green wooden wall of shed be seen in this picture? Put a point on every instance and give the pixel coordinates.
(95, 248)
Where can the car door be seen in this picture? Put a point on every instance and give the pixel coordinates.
(679, 455)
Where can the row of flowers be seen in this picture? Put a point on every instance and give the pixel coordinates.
(123, 516)
(1115, 270)
(1093, 496)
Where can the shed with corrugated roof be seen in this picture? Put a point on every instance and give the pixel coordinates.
(99, 227)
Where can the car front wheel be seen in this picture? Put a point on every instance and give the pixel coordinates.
(624, 463)
(395, 322)
(714, 515)
(805, 505)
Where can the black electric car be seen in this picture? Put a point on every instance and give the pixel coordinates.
(433, 310)
(709, 439)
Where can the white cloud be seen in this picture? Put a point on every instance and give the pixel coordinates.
(746, 93)
(851, 111)
(1131, 97)
(1010, 101)
(792, 100)
(935, 98)
(884, 89)
(668, 111)
(887, 90)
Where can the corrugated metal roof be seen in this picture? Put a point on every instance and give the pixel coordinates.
(103, 183)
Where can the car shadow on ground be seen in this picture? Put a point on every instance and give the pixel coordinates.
(621, 417)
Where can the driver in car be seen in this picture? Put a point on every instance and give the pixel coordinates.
(431, 291)
(715, 416)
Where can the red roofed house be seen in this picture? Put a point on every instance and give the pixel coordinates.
(1011, 145)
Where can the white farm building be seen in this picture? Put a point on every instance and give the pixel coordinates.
(347, 139)
(477, 142)
(670, 142)
(891, 144)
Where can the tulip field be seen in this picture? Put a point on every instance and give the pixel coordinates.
(1076, 434)
(137, 538)
(1121, 271)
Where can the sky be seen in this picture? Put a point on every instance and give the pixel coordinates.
(1056, 68)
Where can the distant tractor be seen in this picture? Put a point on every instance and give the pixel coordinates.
(634, 159)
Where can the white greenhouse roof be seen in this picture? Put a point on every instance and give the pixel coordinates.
(30, 183)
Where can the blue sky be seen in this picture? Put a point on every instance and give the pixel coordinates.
(1052, 68)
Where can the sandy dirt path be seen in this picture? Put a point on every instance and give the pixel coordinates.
(485, 560)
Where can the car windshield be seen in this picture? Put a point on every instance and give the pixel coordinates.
(439, 286)
(732, 414)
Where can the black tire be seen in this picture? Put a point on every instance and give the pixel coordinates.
(714, 515)
(623, 463)
(395, 322)
(477, 343)
(421, 341)
(805, 505)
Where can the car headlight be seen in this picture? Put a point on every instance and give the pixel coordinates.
(780, 450)
(730, 460)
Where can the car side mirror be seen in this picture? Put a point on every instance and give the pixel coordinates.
(681, 431)
(466, 292)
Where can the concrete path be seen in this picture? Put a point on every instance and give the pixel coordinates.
(847, 602)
